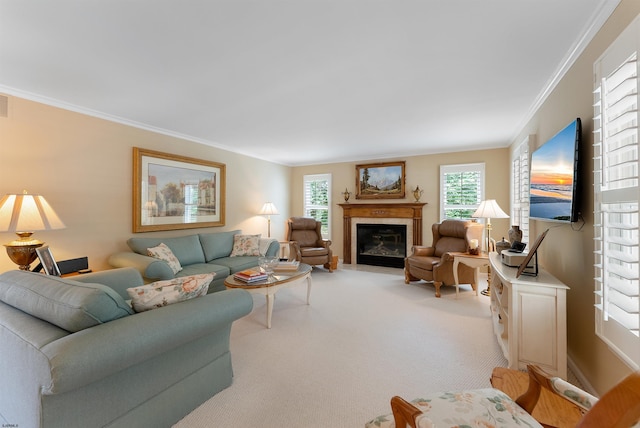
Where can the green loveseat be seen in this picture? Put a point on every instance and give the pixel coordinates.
(72, 353)
(198, 253)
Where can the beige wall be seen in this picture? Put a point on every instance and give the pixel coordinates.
(420, 171)
(567, 251)
(83, 167)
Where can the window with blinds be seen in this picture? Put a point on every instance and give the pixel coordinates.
(520, 187)
(461, 190)
(317, 200)
(617, 196)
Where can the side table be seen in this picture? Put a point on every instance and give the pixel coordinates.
(474, 261)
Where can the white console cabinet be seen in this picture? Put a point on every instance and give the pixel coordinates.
(529, 318)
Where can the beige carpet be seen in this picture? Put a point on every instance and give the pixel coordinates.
(336, 363)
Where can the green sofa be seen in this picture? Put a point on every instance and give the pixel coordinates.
(107, 366)
(198, 253)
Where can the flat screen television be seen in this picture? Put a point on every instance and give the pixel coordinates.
(553, 193)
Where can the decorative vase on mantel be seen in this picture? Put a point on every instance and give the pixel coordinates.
(417, 192)
(346, 195)
(515, 234)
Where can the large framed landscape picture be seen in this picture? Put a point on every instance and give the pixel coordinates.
(380, 180)
(176, 192)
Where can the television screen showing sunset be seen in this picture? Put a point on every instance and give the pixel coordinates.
(552, 175)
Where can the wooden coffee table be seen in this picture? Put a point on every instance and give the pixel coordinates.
(278, 281)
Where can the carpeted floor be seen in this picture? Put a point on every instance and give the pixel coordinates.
(365, 337)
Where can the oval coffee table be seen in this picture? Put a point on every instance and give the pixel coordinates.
(280, 279)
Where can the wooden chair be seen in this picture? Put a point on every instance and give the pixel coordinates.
(618, 408)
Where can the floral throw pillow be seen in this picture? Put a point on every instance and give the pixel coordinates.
(245, 245)
(163, 293)
(163, 252)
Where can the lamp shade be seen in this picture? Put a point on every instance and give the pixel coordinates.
(27, 213)
(269, 209)
(489, 209)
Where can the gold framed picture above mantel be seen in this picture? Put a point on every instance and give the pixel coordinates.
(176, 192)
(384, 180)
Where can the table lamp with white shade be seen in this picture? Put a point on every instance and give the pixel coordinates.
(25, 214)
(489, 209)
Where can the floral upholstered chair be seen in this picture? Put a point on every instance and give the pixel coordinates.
(618, 408)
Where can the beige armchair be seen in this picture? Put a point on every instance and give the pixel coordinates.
(306, 243)
(434, 263)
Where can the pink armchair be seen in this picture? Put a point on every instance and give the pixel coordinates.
(435, 264)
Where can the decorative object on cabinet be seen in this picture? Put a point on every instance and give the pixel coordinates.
(533, 254)
(489, 209)
(502, 245)
(417, 193)
(515, 234)
(346, 194)
(529, 318)
(176, 192)
(385, 180)
(269, 209)
(25, 214)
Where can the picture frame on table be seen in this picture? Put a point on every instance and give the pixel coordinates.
(176, 192)
(47, 261)
(532, 255)
(384, 180)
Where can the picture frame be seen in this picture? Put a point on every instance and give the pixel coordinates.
(532, 252)
(173, 192)
(47, 261)
(384, 180)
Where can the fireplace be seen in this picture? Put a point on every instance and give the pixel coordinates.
(408, 215)
(381, 244)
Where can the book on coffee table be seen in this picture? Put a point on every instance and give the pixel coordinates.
(291, 266)
(251, 275)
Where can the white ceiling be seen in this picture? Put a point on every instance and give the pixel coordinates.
(300, 81)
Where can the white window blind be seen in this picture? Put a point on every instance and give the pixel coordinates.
(317, 200)
(617, 196)
(520, 188)
(461, 190)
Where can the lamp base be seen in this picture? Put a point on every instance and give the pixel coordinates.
(23, 251)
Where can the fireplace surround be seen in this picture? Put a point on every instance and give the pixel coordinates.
(381, 244)
(409, 214)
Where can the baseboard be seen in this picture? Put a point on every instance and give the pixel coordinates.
(585, 384)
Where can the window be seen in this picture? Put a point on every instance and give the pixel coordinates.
(461, 190)
(616, 197)
(520, 188)
(317, 200)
